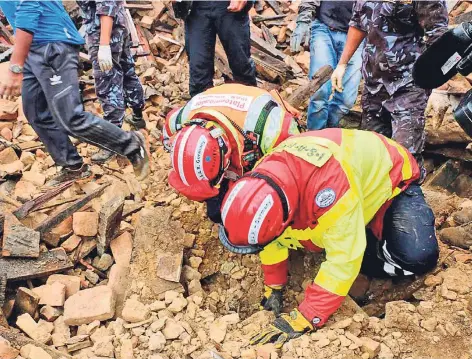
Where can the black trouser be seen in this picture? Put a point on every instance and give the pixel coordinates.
(53, 107)
(409, 245)
(208, 19)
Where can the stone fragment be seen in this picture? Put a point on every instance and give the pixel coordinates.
(52, 294)
(27, 324)
(172, 329)
(104, 347)
(433, 280)
(59, 232)
(218, 331)
(91, 276)
(177, 305)
(194, 287)
(170, 295)
(109, 222)
(127, 349)
(189, 274)
(24, 191)
(89, 305)
(8, 155)
(104, 262)
(169, 266)
(134, 311)
(230, 319)
(157, 341)
(6, 350)
(118, 282)
(46, 326)
(121, 248)
(78, 342)
(38, 353)
(385, 352)
(343, 324)
(72, 283)
(370, 346)
(457, 280)
(26, 301)
(157, 305)
(19, 240)
(85, 224)
(323, 343)
(158, 324)
(34, 177)
(61, 332)
(249, 354)
(71, 243)
(195, 262)
(50, 313)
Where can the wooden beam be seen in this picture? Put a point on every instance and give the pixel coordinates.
(275, 6)
(48, 263)
(259, 18)
(303, 93)
(264, 46)
(38, 202)
(465, 17)
(61, 215)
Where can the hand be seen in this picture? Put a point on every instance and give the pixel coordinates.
(105, 59)
(337, 78)
(236, 5)
(300, 34)
(273, 298)
(11, 85)
(285, 328)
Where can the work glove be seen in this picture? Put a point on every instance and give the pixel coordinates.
(284, 328)
(337, 78)
(300, 34)
(105, 59)
(273, 299)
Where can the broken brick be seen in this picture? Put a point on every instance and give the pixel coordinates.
(27, 324)
(89, 305)
(53, 294)
(26, 301)
(72, 283)
(8, 155)
(85, 224)
(109, 222)
(71, 243)
(121, 248)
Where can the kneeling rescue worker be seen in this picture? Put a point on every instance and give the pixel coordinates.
(352, 193)
(219, 135)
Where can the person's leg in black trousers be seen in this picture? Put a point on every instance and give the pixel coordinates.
(234, 32)
(200, 41)
(409, 245)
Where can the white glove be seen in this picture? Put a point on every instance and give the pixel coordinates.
(105, 60)
(337, 78)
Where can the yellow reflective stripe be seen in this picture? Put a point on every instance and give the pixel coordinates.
(273, 253)
(272, 129)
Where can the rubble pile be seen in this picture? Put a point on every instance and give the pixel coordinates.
(108, 267)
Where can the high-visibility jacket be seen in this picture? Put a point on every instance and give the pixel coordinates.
(337, 182)
(264, 117)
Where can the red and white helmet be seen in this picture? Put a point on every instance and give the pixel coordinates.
(170, 127)
(254, 212)
(200, 156)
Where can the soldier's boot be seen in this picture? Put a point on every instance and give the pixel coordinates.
(136, 120)
(140, 159)
(69, 174)
(102, 156)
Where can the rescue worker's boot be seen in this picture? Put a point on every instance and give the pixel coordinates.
(69, 174)
(102, 156)
(136, 120)
(140, 159)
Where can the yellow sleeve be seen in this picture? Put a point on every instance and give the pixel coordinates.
(344, 239)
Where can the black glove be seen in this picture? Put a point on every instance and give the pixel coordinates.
(273, 299)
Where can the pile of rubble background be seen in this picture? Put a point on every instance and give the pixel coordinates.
(112, 268)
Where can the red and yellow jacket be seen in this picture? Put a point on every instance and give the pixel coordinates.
(341, 181)
(252, 109)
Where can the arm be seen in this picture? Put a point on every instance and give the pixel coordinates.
(355, 37)
(27, 18)
(433, 18)
(274, 259)
(106, 27)
(343, 233)
(307, 11)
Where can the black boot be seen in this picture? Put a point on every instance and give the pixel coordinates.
(102, 156)
(69, 174)
(136, 120)
(140, 159)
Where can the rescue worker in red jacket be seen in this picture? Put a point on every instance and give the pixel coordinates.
(220, 134)
(321, 190)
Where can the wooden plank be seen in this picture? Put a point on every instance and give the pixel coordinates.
(18, 340)
(256, 19)
(5, 32)
(132, 28)
(268, 66)
(465, 17)
(48, 263)
(264, 46)
(3, 288)
(139, 6)
(38, 202)
(303, 93)
(268, 36)
(61, 215)
(275, 6)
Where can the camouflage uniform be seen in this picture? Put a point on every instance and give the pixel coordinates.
(397, 32)
(119, 87)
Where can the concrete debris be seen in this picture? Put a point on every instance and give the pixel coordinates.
(135, 311)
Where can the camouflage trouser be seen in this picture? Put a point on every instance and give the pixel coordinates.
(119, 87)
(400, 116)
